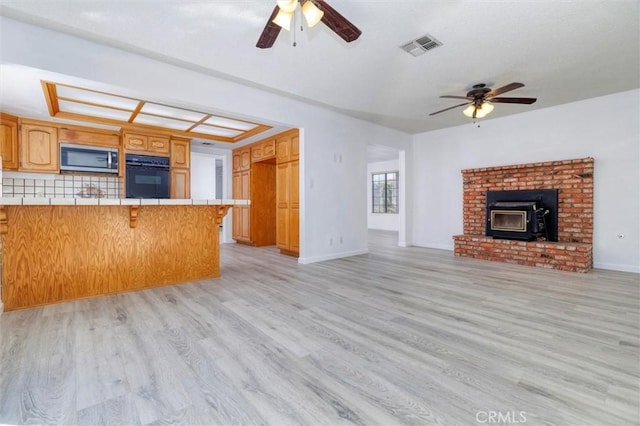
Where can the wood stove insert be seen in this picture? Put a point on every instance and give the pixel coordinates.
(524, 215)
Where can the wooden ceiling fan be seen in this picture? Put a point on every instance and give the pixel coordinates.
(478, 96)
(330, 17)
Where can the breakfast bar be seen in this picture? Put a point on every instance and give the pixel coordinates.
(62, 249)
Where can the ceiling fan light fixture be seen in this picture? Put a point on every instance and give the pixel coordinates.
(283, 19)
(482, 111)
(287, 6)
(468, 111)
(311, 13)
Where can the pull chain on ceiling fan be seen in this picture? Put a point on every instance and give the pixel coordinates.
(478, 97)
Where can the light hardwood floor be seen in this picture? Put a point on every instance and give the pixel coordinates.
(399, 336)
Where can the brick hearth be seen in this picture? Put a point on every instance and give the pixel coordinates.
(574, 181)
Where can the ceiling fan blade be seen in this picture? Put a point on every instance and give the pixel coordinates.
(270, 32)
(456, 97)
(338, 23)
(513, 100)
(447, 109)
(504, 89)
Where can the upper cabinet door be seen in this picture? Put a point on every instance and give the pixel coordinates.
(236, 161)
(283, 149)
(180, 153)
(287, 146)
(9, 141)
(39, 148)
(242, 159)
(133, 142)
(245, 158)
(158, 144)
(295, 147)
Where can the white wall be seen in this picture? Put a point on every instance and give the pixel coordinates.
(203, 180)
(203, 176)
(387, 222)
(605, 128)
(333, 146)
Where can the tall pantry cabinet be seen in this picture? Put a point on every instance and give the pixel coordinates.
(254, 178)
(288, 194)
(266, 172)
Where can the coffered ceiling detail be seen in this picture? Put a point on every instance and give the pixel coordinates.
(83, 104)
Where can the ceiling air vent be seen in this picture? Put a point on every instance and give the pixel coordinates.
(420, 45)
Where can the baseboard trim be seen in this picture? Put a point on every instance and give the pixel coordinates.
(1, 308)
(332, 256)
(615, 267)
(434, 246)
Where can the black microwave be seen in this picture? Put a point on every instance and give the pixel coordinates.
(81, 158)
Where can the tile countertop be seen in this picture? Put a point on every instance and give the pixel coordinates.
(43, 201)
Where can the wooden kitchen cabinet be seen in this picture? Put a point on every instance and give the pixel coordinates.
(134, 142)
(147, 144)
(180, 183)
(88, 136)
(38, 148)
(158, 145)
(242, 159)
(241, 186)
(180, 173)
(288, 208)
(262, 151)
(266, 172)
(287, 193)
(9, 141)
(180, 153)
(287, 146)
(255, 224)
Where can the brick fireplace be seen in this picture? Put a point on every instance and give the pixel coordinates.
(574, 181)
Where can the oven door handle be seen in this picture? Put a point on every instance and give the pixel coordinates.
(154, 166)
(148, 168)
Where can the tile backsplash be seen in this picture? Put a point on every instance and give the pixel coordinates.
(63, 186)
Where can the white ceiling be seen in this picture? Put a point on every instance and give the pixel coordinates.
(563, 51)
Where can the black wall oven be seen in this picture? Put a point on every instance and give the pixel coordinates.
(147, 176)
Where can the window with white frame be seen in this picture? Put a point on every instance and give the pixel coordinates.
(384, 188)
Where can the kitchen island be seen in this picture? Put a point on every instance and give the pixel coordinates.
(62, 249)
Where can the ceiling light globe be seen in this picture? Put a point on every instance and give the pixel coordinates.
(311, 13)
(469, 110)
(287, 6)
(484, 110)
(283, 20)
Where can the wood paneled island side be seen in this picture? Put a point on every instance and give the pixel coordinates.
(53, 253)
